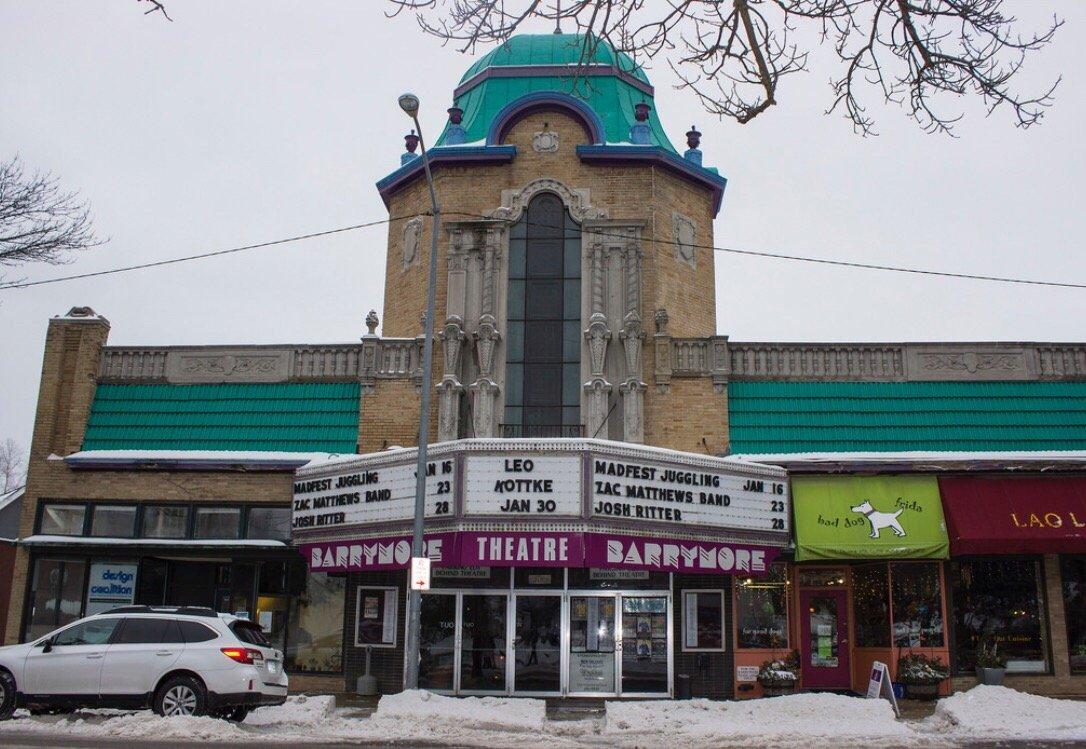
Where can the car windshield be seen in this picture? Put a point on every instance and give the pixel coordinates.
(250, 633)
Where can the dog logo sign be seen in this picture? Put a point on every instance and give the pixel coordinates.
(880, 520)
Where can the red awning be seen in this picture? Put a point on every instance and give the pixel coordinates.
(1015, 515)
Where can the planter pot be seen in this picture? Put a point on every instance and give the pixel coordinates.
(778, 690)
(990, 676)
(922, 691)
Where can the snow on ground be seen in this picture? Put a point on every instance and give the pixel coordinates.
(412, 718)
(780, 721)
(987, 712)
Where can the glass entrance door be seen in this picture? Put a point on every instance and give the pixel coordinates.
(437, 642)
(592, 645)
(482, 643)
(824, 639)
(537, 644)
(644, 645)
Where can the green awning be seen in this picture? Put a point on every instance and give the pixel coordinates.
(868, 517)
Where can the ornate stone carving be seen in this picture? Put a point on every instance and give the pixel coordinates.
(576, 200)
(486, 341)
(597, 394)
(685, 237)
(545, 141)
(960, 363)
(448, 414)
(412, 236)
(372, 322)
(485, 393)
(228, 366)
(452, 336)
(661, 320)
(633, 410)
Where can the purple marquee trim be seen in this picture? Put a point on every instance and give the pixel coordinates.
(521, 549)
(387, 553)
(672, 555)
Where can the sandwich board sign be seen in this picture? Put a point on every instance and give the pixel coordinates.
(420, 573)
(880, 686)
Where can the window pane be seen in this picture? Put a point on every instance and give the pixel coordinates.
(542, 417)
(516, 252)
(543, 385)
(516, 300)
(315, 627)
(918, 610)
(543, 341)
(571, 384)
(1074, 602)
(514, 349)
(543, 300)
(63, 520)
(571, 415)
(571, 341)
(217, 522)
(514, 415)
(761, 610)
(871, 604)
(997, 603)
(269, 522)
(195, 632)
(544, 258)
(143, 631)
(703, 626)
(571, 301)
(514, 385)
(113, 520)
(93, 632)
(56, 596)
(165, 522)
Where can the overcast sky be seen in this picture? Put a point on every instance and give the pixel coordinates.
(246, 122)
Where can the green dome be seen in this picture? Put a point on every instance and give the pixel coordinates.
(536, 64)
(553, 49)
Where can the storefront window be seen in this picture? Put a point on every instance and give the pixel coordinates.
(871, 605)
(217, 522)
(703, 620)
(315, 626)
(117, 521)
(1074, 603)
(56, 595)
(165, 521)
(269, 522)
(761, 610)
(917, 605)
(62, 520)
(997, 602)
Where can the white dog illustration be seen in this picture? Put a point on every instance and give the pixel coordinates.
(879, 520)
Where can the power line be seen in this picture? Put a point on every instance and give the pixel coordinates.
(805, 259)
(214, 253)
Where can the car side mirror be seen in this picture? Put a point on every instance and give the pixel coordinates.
(47, 646)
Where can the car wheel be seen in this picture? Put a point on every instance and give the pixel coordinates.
(181, 695)
(7, 695)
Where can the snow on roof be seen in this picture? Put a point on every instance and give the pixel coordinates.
(47, 540)
(8, 497)
(91, 458)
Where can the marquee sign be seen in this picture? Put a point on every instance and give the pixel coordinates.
(535, 502)
(371, 495)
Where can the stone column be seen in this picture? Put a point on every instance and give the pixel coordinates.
(487, 336)
(632, 336)
(450, 388)
(598, 333)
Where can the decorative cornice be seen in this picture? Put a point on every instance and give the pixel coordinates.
(443, 156)
(655, 155)
(877, 362)
(549, 100)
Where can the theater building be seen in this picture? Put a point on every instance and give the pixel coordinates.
(621, 501)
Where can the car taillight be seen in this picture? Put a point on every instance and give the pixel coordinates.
(243, 655)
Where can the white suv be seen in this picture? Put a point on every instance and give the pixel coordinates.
(175, 660)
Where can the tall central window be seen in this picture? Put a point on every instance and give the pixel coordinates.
(543, 355)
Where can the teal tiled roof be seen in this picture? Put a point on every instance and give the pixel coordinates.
(789, 417)
(288, 417)
(609, 96)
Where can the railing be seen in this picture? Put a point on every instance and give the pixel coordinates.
(535, 431)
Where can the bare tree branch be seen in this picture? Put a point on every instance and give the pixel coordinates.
(39, 222)
(732, 54)
(12, 465)
(156, 7)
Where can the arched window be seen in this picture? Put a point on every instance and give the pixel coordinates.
(543, 352)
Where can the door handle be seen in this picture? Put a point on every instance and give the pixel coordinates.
(164, 652)
(93, 656)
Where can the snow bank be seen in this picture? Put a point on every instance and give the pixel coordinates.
(987, 712)
(487, 713)
(298, 711)
(781, 721)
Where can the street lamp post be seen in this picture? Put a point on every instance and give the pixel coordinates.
(409, 103)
